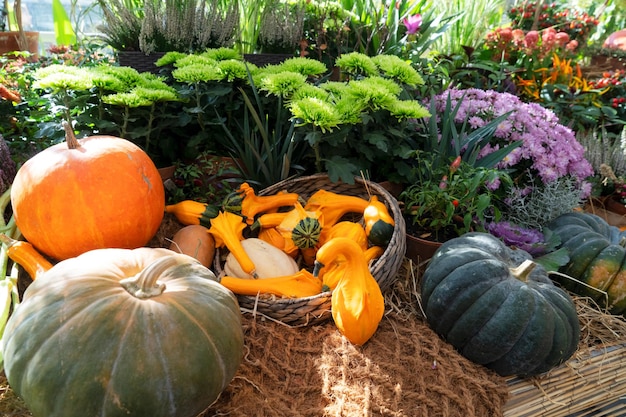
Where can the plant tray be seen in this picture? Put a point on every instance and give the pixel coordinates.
(592, 383)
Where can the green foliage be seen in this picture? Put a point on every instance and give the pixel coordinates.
(207, 179)
(265, 145)
(364, 124)
(441, 139)
(452, 199)
(477, 17)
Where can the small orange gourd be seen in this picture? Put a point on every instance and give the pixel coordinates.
(25, 255)
(90, 193)
(196, 241)
(275, 238)
(191, 212)
(250, 204)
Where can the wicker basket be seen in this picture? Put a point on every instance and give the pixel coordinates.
(315, 309)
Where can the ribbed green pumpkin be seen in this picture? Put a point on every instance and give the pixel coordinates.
(118, 333)
(597, 259)
(306, 234)
(506, 318)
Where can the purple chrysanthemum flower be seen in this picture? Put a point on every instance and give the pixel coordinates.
(549, 150)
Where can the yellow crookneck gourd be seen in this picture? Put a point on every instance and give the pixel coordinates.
(347, 229)
(244, 201)
(379, 225)
(334, 206)
(357, 302)
(299, 285)
(227, 230)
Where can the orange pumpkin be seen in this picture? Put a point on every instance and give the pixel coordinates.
(92, 193)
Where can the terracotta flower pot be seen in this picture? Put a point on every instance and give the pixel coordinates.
(9, 42)
(419, 250)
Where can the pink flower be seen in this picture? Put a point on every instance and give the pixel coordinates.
(572, 45)
(532, 37)
(548, 38)
(506, 34)
(518, 34)
(413, 23)
(562, 38)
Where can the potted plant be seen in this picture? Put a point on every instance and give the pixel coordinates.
(142, 32)
(363, 123)
(547, 154)
(448, 201)
(13, 37)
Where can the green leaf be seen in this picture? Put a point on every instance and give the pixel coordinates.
(62, 25)
(341, 169)
(554, 260)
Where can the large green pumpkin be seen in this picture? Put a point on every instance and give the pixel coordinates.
(121, 332)
(597, 259)
(489, 302)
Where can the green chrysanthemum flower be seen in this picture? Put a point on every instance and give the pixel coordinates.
(195, 73)
(304, 66)
(233, 70)
(351, 111)
(149, 80)
(131, 99)
(335, 88)
(369, 94)
(222, 54)
(356, 63)
(60, 77)
(408, 109)
(106, 81)
(155, 95)
(127, 75)
(192, 59)
(169, 58)
(316, 112)
(380, 83)
(283, 84)
(398, 69)
(309, 90)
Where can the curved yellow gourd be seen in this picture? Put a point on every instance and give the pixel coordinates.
(357, 302)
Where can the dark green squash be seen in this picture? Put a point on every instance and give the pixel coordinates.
(597, 265)
(117, 333)
(508, 317)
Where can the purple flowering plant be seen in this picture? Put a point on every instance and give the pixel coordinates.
(548, 151)
(549, 154)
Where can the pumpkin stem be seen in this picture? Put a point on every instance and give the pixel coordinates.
(144, 284)
(523, 270)
(70, 138)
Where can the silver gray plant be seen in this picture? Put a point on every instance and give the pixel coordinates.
(543, 204)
